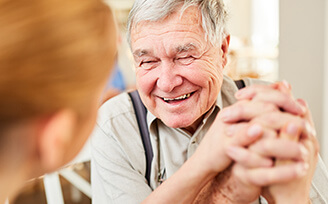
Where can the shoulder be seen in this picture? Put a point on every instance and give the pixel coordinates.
(117, 120)
(117, 134)
(116, 107)
(116, 117)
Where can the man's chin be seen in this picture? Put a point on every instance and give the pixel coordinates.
(175, 124)
(184, 125)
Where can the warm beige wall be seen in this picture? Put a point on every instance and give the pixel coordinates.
(325, 112)
(240, 18)
(120, 4)
(301, 52)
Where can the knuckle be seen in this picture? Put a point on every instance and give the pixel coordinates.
(269, 107)
(271, 134)
(285, 100)
(239, 109)
(267, 179)
(271, 117)
(265, 147)
(238, 171)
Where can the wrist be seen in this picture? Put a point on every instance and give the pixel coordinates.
(207, 164)
(230, 190)
(203, 166)
(197, 172)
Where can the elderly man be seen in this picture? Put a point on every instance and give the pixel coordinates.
(199, 123)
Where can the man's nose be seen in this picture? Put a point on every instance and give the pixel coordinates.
(169, 77)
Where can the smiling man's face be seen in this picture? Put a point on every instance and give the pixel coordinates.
(179, 73)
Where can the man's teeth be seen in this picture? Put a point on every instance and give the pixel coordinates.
(178, 98)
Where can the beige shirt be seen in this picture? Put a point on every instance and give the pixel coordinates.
(118, 159)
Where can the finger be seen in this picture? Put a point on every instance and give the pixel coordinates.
(271, 175)
(246, 110)
(243, 128)
(308, 117)
(305, 106)
(282, 86)
(232, 129)
(249, 92)
(292, 133)
(277, 120)
(282, 99)
(248, 158)
(280, 149)
(286, 85)
(253, 133)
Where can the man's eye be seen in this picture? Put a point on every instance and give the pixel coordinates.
(186, 60)
(147, 64)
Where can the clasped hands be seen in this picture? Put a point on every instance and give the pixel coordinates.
(264, 144)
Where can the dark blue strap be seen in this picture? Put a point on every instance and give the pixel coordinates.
(240, 84)
(141, 115)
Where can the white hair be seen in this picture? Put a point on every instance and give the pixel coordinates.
(214, 15)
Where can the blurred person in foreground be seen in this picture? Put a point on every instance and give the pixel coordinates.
(211, 142)
(55, 58)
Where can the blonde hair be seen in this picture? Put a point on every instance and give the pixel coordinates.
(53, 54)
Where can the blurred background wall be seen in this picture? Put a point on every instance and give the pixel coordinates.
(325, 91)
(303, 57)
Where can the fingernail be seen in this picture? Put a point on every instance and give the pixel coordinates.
(292, 129)
(304, 152)
(302, 105)
(254, 131)
(286, 84)
(302, 169)
(302, 102)
(310, 129)
(302, 108)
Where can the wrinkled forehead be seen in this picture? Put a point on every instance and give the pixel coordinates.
(182, 19)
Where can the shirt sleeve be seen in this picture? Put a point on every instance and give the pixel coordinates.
(113, 176)
(319, 188)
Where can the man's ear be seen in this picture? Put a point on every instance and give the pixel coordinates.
(225, 50)
(54, 138)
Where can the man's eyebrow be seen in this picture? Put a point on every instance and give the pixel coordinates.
(186, 47)
(140, 52)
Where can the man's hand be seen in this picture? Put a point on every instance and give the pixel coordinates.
(304, 134)
(211, 151)
(253, 168)
(280, 193)
(267, 104)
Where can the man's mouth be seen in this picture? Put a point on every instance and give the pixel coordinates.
(180, 98)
